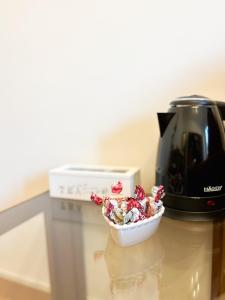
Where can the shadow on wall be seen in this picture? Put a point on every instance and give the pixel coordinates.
(28, 189)
(135, 143)
(36, 185)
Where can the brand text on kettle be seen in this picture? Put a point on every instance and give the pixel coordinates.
(213, 188)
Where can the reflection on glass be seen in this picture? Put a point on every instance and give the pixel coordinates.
(182, 260)
(186, 271)
(134, 271)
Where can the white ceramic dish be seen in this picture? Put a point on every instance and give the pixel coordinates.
(134, 233)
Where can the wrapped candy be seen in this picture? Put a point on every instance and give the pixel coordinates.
(125, 210)
(158, 192)
(98, 200)
(117, 188)
(139, 192)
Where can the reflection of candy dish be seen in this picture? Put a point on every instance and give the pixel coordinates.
(130, 284)
(134, 271)
(133, 233)
(126, 262)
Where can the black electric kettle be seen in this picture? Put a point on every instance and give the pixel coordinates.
(191, 158)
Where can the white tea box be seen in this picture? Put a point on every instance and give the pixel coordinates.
(78, 181)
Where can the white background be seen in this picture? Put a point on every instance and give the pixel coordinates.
(81, 81)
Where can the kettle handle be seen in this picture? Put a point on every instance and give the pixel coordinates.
(221, 107)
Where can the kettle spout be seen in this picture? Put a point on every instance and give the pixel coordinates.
(164, 119)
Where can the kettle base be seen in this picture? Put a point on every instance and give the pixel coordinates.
(194, 216)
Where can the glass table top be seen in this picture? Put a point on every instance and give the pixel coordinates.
(62, 250)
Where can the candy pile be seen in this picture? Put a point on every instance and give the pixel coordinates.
(125, 210)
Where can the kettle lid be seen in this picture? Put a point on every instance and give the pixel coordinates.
(192, 100)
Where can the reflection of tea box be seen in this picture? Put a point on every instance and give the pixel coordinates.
(78, 182)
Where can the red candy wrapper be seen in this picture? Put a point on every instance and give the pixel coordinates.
(158, 192)
(117, 188)
(139, 192)
(96, 199)
(131, 203)
(109, 207)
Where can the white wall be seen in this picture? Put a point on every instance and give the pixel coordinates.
(81, 81)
